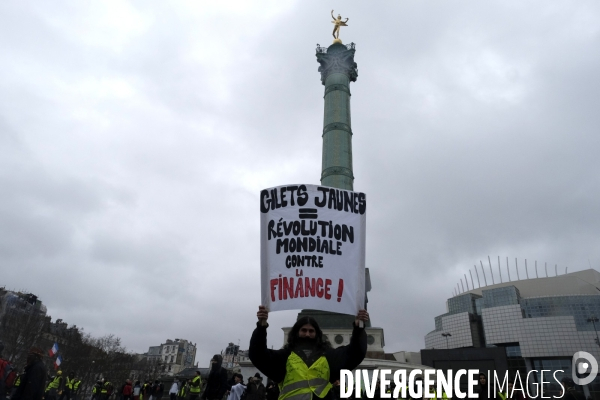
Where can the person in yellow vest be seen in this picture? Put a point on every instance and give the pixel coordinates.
(68, 387)
(16, 385)
(97, 390)
(75, 389)
(195, 386)
(55, 387)
(184, 389)
(107, 390)
(146, 391)
(307, 366)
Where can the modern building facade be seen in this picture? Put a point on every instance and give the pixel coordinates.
(541, 323)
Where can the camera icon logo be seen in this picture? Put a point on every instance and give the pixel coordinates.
(583, 362)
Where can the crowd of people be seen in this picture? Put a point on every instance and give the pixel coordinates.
(306, 368)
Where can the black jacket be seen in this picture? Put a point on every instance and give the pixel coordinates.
(272, 392)
(272, 363)
(255, 391)
(572, 394)
(33, 382)
(483, 392)
(216, 385)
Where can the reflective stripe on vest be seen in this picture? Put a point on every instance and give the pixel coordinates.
(301, 382)
(193, 388)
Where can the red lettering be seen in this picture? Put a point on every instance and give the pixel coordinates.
(299, 289)
(327, 287)
(273, 285)
(340, 290)
(279, 287)
(288, 288)
(309, 287)
(320, 288)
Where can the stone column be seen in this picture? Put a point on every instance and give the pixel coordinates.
(337, 70)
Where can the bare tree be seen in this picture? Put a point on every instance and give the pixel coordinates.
(22, 325)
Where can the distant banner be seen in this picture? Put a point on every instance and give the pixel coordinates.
(312, 248)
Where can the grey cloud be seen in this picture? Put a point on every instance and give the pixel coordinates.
(132, 165)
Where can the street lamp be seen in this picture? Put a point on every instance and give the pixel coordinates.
(447, 334)
(593, 319)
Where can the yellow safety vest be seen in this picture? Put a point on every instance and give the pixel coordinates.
(76, 384)
(18, 381)
(105, 388)
(193, 388)
(54, 384)
(503, 396)
(301, 382)
(70, 382)
(182, 391)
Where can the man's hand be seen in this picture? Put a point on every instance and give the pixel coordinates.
(362, 315)
(262, 314)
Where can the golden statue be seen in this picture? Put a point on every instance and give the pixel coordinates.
(336, 29)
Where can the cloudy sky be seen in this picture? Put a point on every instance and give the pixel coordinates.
(135, 138)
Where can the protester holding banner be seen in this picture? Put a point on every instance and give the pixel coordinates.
(307, 365)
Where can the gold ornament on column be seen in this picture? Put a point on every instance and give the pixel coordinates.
(336, 29)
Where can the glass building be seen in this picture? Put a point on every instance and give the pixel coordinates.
(540, 322)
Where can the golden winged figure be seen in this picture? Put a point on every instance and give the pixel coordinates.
(338, 22)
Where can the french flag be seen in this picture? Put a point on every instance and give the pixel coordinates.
(57, 362)
(53, 350)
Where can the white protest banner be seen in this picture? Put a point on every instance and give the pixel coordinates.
(312, 248)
